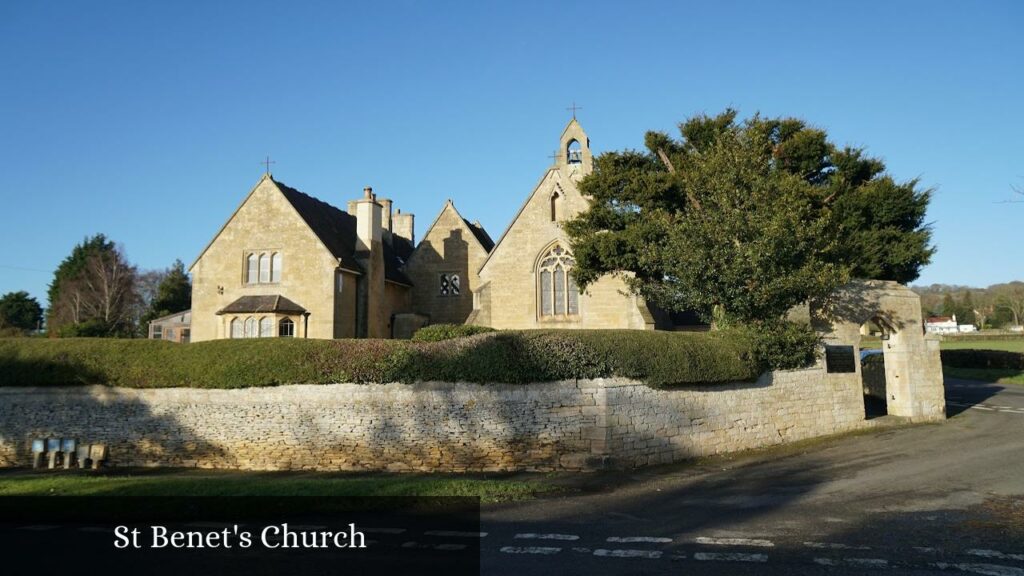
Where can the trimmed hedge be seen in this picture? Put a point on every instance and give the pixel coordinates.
(657, 358)
(439, 332)
(971, 358)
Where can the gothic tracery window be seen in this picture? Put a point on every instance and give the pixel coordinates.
(559, 295)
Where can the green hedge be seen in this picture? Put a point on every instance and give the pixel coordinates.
(967, 337)
(971, 358)
(658, 358)
(439, 332)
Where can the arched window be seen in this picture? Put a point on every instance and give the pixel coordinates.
(236, 328)
(250, 328)
(574, 152)
(286, 328)
(266, 327)
(264, 268)
(555, 198)
(251, 275)
(559, 295)
(275, 267)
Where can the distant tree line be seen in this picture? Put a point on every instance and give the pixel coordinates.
(997, 306)
(96, 292)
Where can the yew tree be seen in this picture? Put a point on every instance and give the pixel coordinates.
(746, 218)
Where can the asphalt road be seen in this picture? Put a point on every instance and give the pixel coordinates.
(944, 498)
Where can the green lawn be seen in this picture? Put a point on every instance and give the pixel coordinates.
(980, 344)
(218, 483)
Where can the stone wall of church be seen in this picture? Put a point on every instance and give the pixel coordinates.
(431, 426)
(265, 223)
(449, 247)
(512, 276)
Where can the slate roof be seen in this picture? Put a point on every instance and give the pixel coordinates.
(337, 230)
(268, 303)
(481, 235)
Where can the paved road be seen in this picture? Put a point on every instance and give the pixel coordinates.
(943, 498)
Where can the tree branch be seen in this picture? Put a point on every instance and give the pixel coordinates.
(672, 170)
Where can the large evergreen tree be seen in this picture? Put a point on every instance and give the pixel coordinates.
(20, 311)
(173, 293)
(748, 218)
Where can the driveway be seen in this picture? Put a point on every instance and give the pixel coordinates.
(942, 498)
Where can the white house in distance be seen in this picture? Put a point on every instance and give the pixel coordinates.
(946, 325)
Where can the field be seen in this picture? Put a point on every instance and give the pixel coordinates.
(985, 375)
(981, 344)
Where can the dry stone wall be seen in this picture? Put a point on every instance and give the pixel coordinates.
(430, 427)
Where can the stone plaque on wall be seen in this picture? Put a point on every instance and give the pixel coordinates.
(840, 359)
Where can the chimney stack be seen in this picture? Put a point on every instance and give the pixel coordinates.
(369, 252)
(386, 214)
(403, 225)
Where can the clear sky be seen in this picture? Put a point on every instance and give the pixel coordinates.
(147, 121)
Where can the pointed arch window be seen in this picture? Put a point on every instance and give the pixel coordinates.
(266, 327)
(275, 267)
(286, 328)
(559, 295)
(250, 328)
(236, 328)
(555, 201)
(264, 268)
(252, 273)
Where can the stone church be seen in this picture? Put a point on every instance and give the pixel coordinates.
(286, 264)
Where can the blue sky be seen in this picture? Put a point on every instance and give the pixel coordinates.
(147, 121)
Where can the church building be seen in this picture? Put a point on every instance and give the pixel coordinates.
(286, 264)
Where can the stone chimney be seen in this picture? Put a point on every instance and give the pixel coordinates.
(403, 225)
(351, 209)
(386, 214)
(369, 252)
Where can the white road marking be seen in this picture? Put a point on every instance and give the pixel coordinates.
(383, 530)
(986, 569)
(834, 546)
(730, 557)
(994, 554)
(926, 549)
(651, 554)
(546, 550)
(979, 407)
(38, 527)
(735, 542)
(455, 534)
(534, 536)
(630, 539)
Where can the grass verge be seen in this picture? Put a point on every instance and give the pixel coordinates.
(217, 483)
(998, 375)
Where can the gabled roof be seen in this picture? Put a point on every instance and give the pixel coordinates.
(519, 213)
(269, 303)
(335, 229)
(477, 230)
(481, 235)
